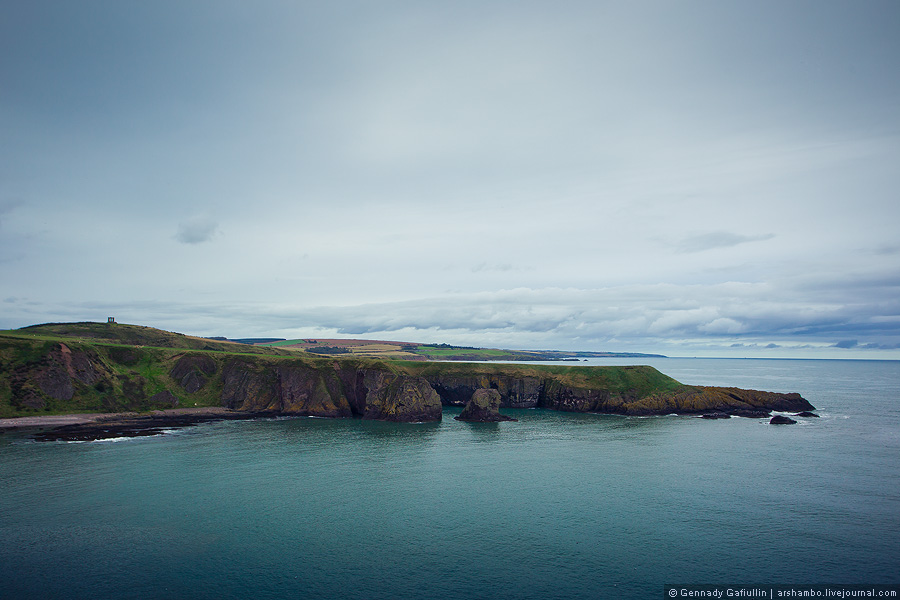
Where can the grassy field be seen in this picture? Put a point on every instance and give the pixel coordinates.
(413, 351)
(452, 353)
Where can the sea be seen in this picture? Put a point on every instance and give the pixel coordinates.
(554, 505)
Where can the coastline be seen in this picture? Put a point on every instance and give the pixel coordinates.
(51, 420)
(98, 426)
(84, 418)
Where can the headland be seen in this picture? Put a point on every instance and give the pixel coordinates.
(137, 375)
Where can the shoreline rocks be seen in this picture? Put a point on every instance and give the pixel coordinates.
(782, 420)
(127, 425)
(715, 415)
(483, 407)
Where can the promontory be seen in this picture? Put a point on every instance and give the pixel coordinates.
(64, 368)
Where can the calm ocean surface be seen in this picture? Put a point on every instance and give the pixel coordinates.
(553, 506)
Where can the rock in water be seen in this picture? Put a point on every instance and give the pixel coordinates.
(484, 407)
(806, 413)
(781, 420)
(751, 413)
(715, 415)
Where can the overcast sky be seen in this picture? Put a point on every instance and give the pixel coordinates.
(713, 178)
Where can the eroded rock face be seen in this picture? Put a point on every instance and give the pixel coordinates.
(560, 397)
(164, 398)
(531, 392)
(192, 371)
(55, 382)
(322, 392)
(63, 370)
(733, 401)
(312, 392)
(246, 386)
(403, 398)
(483, 407)
(515, 392)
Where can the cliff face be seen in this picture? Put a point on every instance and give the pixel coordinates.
(298, 389)
(734, 401)
(192, 371)
(515, 391)
(286, 389)
(83, 377)
(553, 394)
(54, 376)
(400, 398)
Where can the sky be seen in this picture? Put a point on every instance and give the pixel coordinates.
(689, 178)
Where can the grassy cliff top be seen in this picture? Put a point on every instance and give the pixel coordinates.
(139, 336)
(643, 379)
(132, 335)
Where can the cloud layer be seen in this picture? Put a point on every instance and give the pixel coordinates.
(687, 178)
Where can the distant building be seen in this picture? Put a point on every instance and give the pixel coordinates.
(110, 319)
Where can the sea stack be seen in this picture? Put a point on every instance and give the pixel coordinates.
(484, 407)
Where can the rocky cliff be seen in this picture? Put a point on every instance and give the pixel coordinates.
(40, 377)
(328, 390)
(484, 407)
(632, 398)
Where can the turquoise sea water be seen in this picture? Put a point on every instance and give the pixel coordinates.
(555, 505)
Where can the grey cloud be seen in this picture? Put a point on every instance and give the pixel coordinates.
(717, 239)
(639, 312)
(865, 282)
(483, 163)
(196, 230)
(881, 346)
(849, 323)
(847, 344)
(646, 317)
(769, 346)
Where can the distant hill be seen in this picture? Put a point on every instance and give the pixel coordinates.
(416, 351)
(134, 335)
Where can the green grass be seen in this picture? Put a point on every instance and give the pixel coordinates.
(131, 335)
(281, 343)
